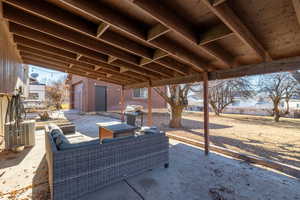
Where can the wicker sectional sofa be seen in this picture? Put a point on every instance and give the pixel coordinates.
(89, 166)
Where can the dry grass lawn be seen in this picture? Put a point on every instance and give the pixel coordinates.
(254, 135)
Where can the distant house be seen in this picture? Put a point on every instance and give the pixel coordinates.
(256, 105)
(36, 95)
(88, 95)
(36, 90)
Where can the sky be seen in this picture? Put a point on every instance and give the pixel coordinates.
(46, 75)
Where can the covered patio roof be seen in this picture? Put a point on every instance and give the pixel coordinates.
(142, 43)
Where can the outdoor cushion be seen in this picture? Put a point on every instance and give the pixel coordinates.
(66, 146)
(150, 130)
(110, 140)
(120, 128)
(61, 140)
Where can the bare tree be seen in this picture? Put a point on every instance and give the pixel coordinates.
(55, 93)
(176, 97)
(279, 87)
(223, 92)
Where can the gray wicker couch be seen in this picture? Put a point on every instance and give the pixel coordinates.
(84, 169)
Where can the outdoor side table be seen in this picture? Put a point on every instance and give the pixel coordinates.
(115, 129)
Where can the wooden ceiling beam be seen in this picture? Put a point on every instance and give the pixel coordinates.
(101, 29)
(282, 65)
(54, 56)
(158, 54)
(42, 47)
(17, 16)
(42, 37)
(137, 69)
(296, 4)
(49, 60)
(55, 14)
(126, 44)
(40, 9)
(179, 25)
(123, 69)
(123, 23)
(177, 67)
(53, 41)
(188, 57)
(58, 68)
(115, 67)
(228, 17)
(217, 2)
(215, 33)
(165, 72)
(34, 25)
(111, 59)
(75, 68)
(72, 61)
(157, 31)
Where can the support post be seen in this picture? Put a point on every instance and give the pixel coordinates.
(122, 104)
(206, 112)
(149, 116)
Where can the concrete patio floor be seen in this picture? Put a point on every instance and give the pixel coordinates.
(191, 175)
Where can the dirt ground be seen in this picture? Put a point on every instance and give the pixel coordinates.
(254, 135)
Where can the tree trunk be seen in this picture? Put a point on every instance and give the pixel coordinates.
(287, 107)
(176, 116)
(276, 112)
(214, 107)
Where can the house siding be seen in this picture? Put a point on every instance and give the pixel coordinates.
(113, 95)
(13, 74)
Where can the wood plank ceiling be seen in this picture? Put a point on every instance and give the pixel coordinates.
(128, 42)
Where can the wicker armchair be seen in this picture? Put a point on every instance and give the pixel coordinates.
(81, 170)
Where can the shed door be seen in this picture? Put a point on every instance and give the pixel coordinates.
(100, 98)
(78, 90)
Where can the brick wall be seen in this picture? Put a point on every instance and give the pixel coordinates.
(113, 95)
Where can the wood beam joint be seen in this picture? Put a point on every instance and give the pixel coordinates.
(157, 31)
(101, 29)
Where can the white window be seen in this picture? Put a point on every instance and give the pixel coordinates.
(140, 93)
(34, 96)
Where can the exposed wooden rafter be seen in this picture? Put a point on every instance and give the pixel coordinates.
(228, 17)
(296, 4)
(49, 12)
(215, 33)
(89, 66)
(156, 31)
(217, 2)
(55, 42)
(64, 69)
(66, 34)
(102, 28)
(282, 65)
(177, 24)
(120, 21)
